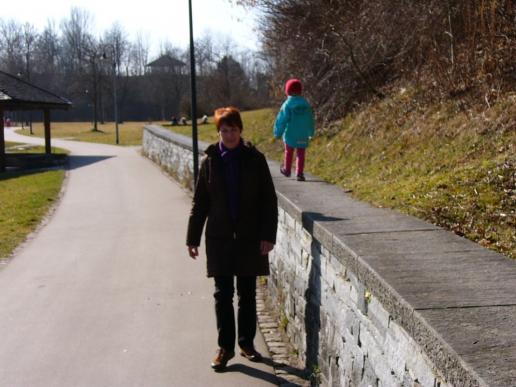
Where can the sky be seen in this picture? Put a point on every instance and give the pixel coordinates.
(159, 20)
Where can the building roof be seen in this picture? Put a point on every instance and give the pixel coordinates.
(166, 61)
(17, 94)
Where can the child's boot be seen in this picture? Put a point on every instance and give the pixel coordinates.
(284, 172)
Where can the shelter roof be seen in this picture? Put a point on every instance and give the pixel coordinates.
(166, 61)
(17, 94)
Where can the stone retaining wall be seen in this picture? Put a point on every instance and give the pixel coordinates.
(340, 328)
(370, 297)
(171, 151)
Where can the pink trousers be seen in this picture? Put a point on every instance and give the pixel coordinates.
(300, 159)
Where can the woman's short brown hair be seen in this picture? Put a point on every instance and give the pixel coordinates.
(229, 116)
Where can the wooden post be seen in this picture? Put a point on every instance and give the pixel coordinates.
(2, 142)
(46, 118)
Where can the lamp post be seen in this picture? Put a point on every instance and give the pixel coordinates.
(115, 100)
(94, 55)
(194, 99)
(87, 92)
(115, 103)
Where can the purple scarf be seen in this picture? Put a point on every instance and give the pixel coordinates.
(231, 163)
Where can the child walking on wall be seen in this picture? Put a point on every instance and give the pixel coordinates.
(295, 123)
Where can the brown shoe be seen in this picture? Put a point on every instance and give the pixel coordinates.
(250, 353)
(222, 358)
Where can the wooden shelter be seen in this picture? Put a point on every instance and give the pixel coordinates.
(17, 94)
(167, 64)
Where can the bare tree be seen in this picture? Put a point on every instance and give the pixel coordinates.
(118, 46)
(30, 37)
(77, 36)
(204, 55)
(93, 55)
(139, 54)
(230, 83)
(46, 51)
(116, 55)
(348, 51)
(11, 38)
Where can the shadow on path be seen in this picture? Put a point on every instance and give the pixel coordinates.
(83, 161)
(29, 165)
(301, 373)
(22, 161)
(254, 373)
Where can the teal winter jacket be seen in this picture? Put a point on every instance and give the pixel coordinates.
(295, 122)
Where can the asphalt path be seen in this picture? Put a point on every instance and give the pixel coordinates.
(105, 294)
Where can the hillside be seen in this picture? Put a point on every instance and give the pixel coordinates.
(434, 161)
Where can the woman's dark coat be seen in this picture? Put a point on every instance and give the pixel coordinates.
(233, 246)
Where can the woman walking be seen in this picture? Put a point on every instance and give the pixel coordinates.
(236, 196)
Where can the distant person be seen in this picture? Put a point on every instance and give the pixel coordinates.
(204, 119)
(173, 121)
(295, 123)
(236, 195)
(183, 121)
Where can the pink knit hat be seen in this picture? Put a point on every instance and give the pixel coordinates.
(293, 86)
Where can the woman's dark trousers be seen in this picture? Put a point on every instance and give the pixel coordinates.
(246, 291)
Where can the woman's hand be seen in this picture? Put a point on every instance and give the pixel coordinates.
(266, 247)
(193, 252)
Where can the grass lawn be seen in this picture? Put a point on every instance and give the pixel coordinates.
(17, 147)
(26, 198)
(454, 168)
(130, 133)
(10, 144)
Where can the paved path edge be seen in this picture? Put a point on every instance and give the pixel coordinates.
(287, 366)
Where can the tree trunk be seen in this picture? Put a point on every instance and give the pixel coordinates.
(2, 142)
(46, 119)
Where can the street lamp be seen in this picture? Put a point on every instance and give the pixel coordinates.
(92, 56)
(87, 93)
(194, 99)
(115, 100)
(115, 104)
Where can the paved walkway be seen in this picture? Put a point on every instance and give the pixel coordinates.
(105, 294)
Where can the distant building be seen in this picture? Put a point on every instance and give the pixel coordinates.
(166, 64)
(169, 84)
